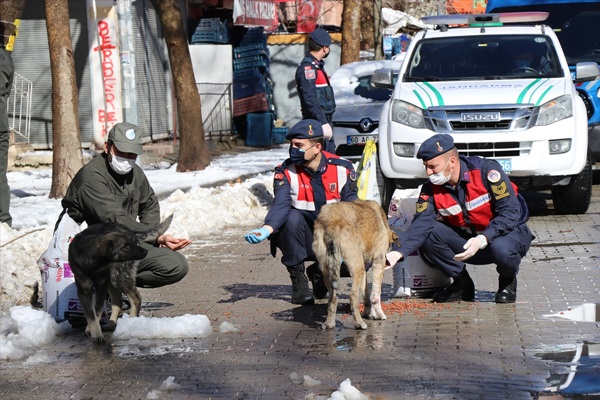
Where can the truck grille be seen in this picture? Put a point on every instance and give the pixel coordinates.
(450, 119)
(494, 150)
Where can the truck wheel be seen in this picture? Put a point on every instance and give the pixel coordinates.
(575, 197)
(387, 187)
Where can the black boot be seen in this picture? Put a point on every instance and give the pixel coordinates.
(462, 287)
(316, 277)
(507, 289)
(301, 294)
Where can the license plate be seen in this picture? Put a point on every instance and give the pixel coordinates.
(359, 139)
(506, 165)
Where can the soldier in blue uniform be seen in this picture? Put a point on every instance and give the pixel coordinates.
(316, 94)
(305, 182)
(469, 211)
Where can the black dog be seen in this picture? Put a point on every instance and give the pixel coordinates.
(104, 258)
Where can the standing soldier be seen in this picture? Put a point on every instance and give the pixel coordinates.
(315, 92)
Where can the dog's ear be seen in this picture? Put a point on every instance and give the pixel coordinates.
(155, 232)
(162, 228)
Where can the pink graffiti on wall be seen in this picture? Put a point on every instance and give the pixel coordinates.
(109, 58)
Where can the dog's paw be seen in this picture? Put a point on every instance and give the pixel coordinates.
(377, 314)
(95, 333)
(98, 339)
(110, 326)
(361, 326)
(326, 326)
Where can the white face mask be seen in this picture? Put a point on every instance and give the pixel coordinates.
(440, 178)
(121, 165)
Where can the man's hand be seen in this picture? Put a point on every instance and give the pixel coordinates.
(257, 235)
(172, 243)
(472, 246)
(392, 258)
(327, 131)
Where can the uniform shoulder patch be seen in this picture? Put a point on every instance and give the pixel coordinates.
(422, 206)
(493, 176)
(278, 176)
(352, 175)
(500, 190)
(310, 73)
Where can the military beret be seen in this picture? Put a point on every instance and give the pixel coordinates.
(126, 137)
(321, 37)
(435, 146)
(305, 129)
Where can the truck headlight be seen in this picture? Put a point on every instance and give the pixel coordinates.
(559, 146)
(407, 114)
(555, 110)
(404, 149)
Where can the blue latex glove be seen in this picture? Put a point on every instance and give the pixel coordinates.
(257, 235)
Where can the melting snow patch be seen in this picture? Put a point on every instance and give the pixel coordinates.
(167, 385)
(227, 327)
(24, 329)
(310, 382)
(347, 392)
(196, 326)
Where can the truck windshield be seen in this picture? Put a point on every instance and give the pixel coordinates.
(579, 36)
(477, 58)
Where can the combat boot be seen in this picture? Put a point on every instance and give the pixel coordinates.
(316, 277)
(507, 289)
(301, 293)
(461, 288)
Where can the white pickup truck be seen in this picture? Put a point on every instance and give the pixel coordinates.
(501, 86)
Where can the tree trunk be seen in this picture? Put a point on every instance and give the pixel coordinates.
(193, 152)
(377, 30)
(10, 10)
(350, 27)
(67, 158)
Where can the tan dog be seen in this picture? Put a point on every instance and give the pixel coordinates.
(358, 233)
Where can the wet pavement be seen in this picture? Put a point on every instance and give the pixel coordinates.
(466, 350)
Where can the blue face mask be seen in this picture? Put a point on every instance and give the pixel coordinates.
(297, 155)
(523, 63)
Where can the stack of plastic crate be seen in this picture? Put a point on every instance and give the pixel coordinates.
(210, 30)
(252, 87)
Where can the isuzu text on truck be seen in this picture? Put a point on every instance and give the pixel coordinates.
(501, 86)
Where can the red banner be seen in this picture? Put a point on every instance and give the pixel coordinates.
(255, 13)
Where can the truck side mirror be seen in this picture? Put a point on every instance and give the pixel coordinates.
(383, 78)
(586, 71)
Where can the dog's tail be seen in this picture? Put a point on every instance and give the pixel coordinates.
(326, 253)
(334, 261)
(151, 235)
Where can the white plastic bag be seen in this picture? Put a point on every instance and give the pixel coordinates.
(413, 277)
(59, 297)
(367, 173)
